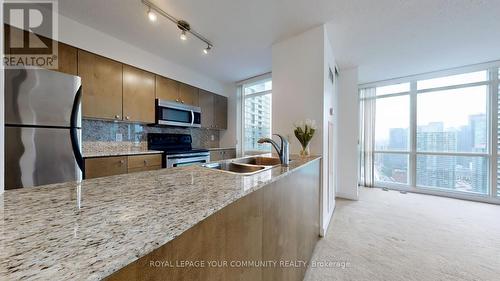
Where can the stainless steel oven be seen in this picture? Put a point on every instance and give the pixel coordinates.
(177, 114)
(186, 159)
(177, 149)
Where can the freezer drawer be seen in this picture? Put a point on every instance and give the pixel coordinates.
(38, 156)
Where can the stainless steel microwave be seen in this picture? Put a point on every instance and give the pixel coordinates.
(177, 114)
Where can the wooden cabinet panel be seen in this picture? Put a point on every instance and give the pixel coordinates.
(142, 161)
(229, 153)
(216, 155)
(105, 166)
(188, 94)
(143, 169)
(67, 59)
(102, 86)
(167, 89)
(279, 222)
(220, 117)
(207, 104)
(138, 95)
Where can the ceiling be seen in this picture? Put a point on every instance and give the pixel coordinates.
(384, 38)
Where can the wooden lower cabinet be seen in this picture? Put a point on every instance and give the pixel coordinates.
(141, 163)
(279, 222)
(105, 166)
(109, 166)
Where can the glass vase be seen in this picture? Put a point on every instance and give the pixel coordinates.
(304, 152)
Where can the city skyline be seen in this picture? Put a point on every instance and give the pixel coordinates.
(463, 173)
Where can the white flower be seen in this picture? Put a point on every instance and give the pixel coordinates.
(299, 124)
(311, 123)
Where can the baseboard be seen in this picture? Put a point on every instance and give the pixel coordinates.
(347, 196)
(326, 223)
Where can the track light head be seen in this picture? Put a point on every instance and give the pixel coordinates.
(183, 36)
(207, 49)
(152, 15)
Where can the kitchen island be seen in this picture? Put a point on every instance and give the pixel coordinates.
(139, 226)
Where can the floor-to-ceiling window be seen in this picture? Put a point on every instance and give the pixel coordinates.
(256, 114)
(435, 133)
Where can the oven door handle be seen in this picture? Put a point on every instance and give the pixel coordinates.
(192, 118)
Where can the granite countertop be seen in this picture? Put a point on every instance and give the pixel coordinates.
(105, 149)
(221, 148)
(124, 152)
(88, 230)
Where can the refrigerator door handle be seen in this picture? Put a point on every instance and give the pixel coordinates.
(192, 118)
(75, 115)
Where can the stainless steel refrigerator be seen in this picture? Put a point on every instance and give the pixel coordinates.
(42, 128)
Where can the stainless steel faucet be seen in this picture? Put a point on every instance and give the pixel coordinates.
(283, 149)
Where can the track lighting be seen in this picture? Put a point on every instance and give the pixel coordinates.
(207, 49)
(183, 36)
(154, 11)
(152, 15)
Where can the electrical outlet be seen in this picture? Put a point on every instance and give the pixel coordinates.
(212, 137)
(119, 137)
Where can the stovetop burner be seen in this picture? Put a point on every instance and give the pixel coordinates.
(172, 143)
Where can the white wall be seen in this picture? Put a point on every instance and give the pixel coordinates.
(299, 70)
(348, 128)
(328, 199)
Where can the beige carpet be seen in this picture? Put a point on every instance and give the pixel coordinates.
(387, 236)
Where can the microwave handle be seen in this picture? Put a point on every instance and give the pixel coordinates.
(192, 118)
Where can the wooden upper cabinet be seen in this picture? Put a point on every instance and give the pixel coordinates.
(220, 118)
(188, 94)
(138, 95)
(67, 59)
(102, 86)
(213, 110)
(207, 104)
(167, 89)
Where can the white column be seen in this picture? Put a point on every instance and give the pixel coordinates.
(301, 90)
(347, 134)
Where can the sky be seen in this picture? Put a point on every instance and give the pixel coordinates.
(452, 107)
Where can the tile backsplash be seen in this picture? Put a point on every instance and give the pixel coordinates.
(109, 131)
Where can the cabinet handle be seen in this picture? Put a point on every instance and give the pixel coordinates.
(145, 162)
(117, 116)
(122, 162)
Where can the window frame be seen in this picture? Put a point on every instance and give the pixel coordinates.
(260, 79)
(492, 114)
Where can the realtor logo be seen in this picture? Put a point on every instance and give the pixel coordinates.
(30, 30)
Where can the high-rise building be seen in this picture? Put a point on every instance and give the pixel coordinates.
(438, 171)
(477, 124)
(257, 122)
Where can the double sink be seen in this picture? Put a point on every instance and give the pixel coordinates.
(245, 166)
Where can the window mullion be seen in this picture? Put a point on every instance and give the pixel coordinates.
(493, 138)
(413, 134)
